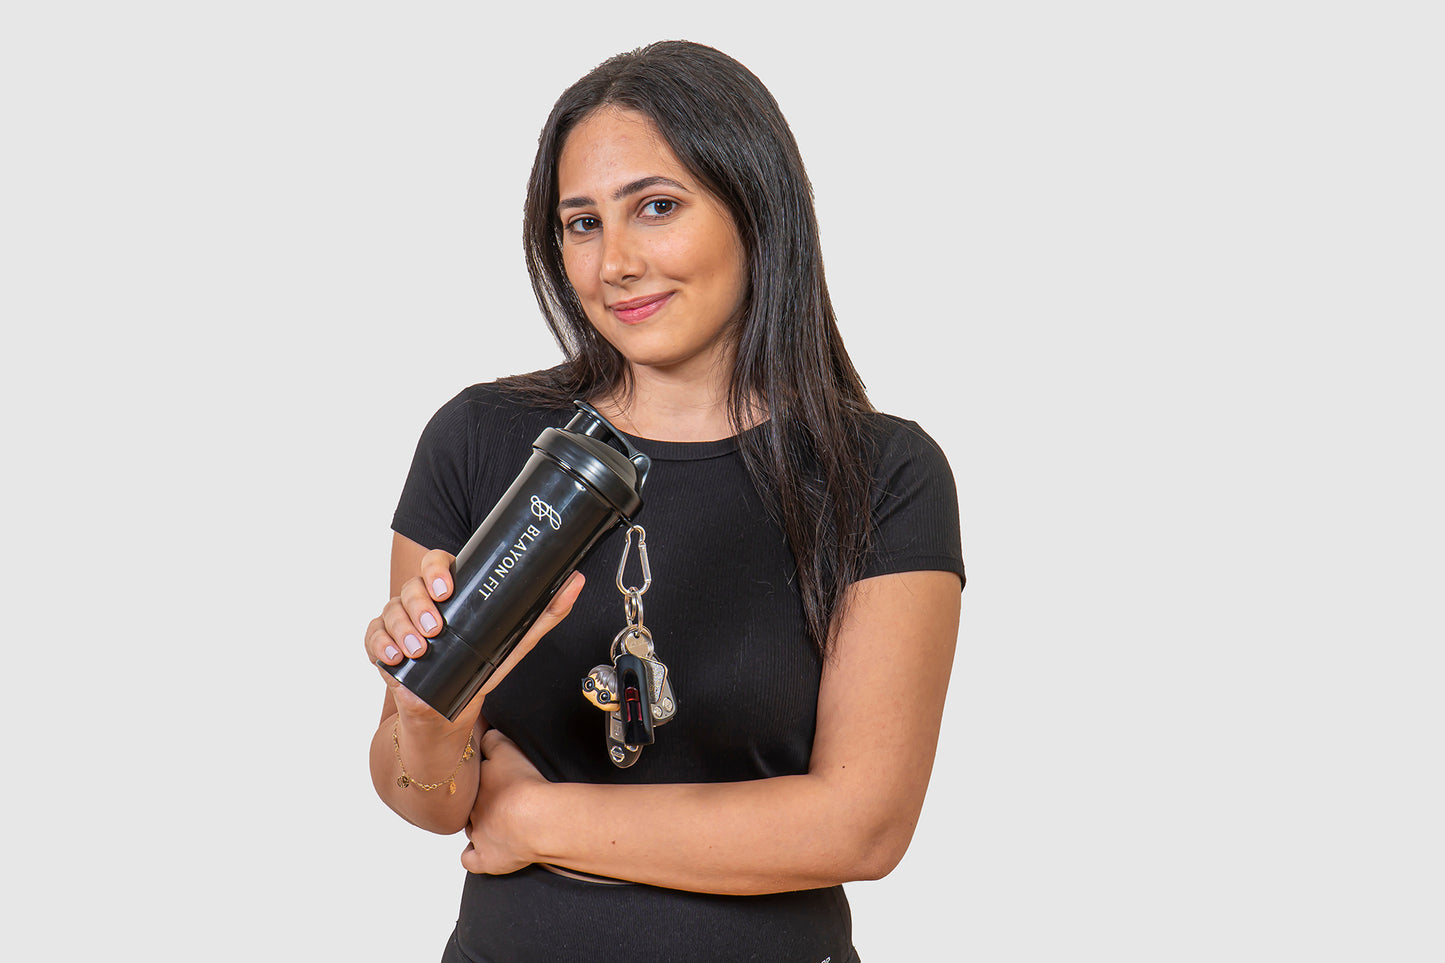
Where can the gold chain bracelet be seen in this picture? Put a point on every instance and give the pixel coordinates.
(405, 780)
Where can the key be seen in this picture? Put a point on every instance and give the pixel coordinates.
(664, 703)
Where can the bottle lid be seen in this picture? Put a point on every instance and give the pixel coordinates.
(600, 456)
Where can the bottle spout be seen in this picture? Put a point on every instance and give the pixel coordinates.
(588, 422)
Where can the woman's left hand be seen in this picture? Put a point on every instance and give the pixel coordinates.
(494, 841)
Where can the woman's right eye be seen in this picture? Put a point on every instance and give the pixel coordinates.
(583, 225)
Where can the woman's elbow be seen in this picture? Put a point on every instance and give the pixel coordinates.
(880, 845)
(446, 825)
(443, 824)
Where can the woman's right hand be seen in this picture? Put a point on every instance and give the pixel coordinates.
(411, 730)
(412, 617)
(401, 631)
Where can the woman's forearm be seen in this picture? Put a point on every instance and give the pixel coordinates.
(763, 836)
(850, 817)
(430, 758)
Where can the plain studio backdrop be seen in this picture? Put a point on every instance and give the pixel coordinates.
(1159, 278)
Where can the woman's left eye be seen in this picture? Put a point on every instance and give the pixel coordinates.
(659, 208)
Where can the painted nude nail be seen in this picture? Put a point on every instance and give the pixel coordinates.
(391, 652)
(412, 645)
(427, 622)
(438, 588)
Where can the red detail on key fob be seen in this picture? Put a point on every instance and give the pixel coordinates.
(636, 700)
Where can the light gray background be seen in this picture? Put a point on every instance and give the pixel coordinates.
(1162, 280)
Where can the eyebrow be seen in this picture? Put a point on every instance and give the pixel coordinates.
(632, 187)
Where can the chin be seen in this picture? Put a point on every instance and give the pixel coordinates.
(699, 362)
(646, 348)
(655, 344)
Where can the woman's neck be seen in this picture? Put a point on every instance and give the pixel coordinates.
(665, 408)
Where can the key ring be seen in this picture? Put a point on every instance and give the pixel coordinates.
(632, 606)
(634, 691)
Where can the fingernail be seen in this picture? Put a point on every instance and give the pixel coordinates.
(438, 588)
(427, 622)
(391, 652)
(411, 645)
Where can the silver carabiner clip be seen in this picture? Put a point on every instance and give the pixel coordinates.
(622, 564)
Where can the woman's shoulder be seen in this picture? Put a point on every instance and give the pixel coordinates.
(914, 500)
(505, 394)
(468, 453)
(895, 440)
(485, 424)
(499, 405)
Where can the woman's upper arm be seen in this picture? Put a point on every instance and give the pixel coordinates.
(880, 704)
(406, 558)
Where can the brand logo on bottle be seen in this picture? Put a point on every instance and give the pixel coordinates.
(542, 510)
(515, 551)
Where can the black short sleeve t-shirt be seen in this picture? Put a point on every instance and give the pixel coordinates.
(726, 620)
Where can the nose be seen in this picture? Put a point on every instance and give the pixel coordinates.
(622, 260)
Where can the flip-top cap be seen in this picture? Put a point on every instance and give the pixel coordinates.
(600, 456)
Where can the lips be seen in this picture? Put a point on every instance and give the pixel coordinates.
(639, 309)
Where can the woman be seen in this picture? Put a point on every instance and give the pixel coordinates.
(804, 549)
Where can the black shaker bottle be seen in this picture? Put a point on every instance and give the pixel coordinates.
(580, 482)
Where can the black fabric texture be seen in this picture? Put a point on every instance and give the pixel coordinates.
(728, 623)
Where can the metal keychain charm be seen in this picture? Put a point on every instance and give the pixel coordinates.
(634, 690)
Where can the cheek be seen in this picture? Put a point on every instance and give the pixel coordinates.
(702, 257)
(737, 260)
(729, 272)
(580, 271)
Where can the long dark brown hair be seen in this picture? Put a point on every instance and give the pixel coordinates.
(811, 459)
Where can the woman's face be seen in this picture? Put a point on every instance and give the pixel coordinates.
(655, 260)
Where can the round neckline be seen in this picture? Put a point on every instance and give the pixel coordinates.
(687, 450)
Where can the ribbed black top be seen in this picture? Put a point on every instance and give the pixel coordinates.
(722, 609)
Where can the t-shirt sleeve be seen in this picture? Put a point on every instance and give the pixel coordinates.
(433, 510)
(915, 507)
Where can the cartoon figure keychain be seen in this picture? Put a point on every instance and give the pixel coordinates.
(634, 690)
